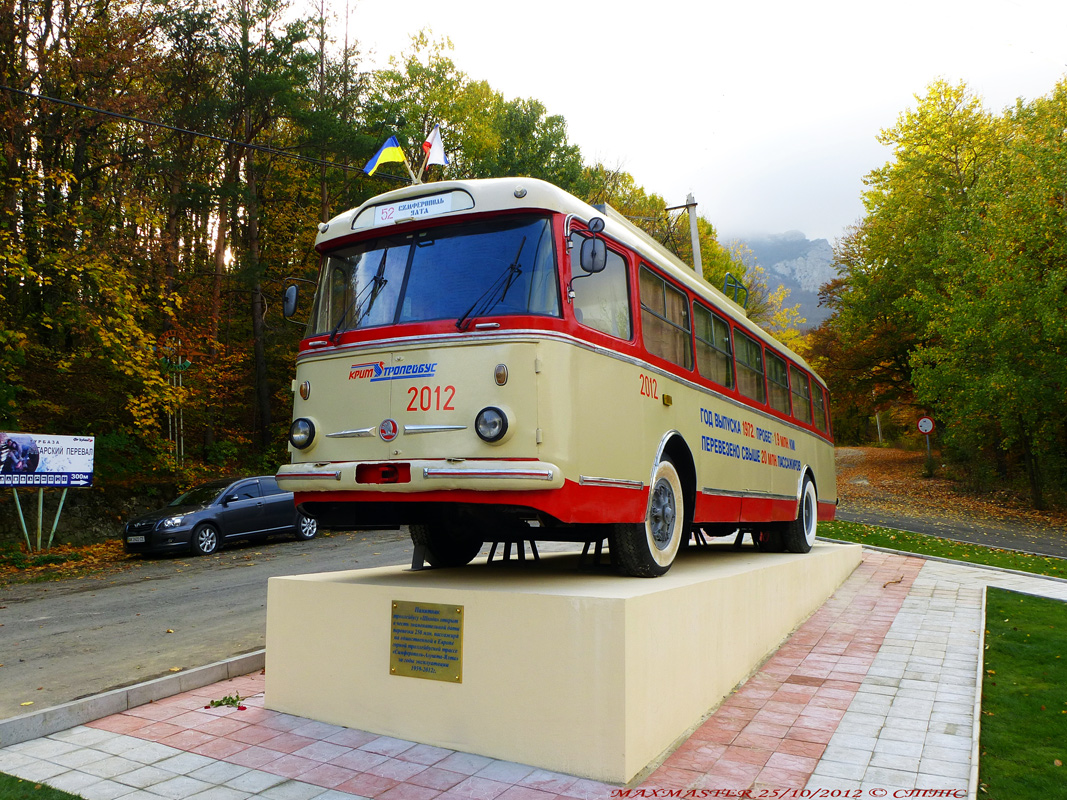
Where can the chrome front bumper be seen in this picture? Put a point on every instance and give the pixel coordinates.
(425, 476)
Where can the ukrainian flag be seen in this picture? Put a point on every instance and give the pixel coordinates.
(390, 151)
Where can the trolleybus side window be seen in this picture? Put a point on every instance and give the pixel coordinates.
(801, 394)
(749, 356)
(332, 299)
(665, 320)
(602, 299)
(820, 408)
(714, 357)
(778, 383)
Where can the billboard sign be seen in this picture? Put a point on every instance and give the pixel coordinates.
(41, 460)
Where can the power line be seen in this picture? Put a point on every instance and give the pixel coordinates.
(223, 139)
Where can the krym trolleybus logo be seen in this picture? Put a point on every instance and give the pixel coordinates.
(377, 371)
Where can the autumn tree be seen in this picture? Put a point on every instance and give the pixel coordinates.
(162, 168)
(76, 214)
(995, 364)
(950, 293)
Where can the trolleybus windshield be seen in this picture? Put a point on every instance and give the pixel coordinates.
(455, 272)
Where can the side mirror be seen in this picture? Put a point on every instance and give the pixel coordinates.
(594, 254)
(230, 499)
(289, 303)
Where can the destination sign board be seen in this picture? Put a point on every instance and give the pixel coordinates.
(412, 208)
(41, 460)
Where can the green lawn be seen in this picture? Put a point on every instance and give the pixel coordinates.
(1024, 698)
(921, 544)
(12, 788)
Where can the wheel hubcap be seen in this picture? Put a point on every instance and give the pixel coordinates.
(661, 514)
(809, 518)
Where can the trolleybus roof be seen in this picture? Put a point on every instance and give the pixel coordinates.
(524, 194)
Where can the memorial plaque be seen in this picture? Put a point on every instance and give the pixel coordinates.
(427, 641)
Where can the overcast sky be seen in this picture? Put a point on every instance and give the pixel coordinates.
(767, 111)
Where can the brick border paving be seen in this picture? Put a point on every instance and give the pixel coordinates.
(773, 731)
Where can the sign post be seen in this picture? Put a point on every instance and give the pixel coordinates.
(34, 460)
(926, 427)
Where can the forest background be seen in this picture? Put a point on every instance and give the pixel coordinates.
(128, 248)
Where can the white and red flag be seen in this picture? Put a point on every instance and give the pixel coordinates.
(435, 148)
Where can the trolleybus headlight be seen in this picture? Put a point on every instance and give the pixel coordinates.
(301, 433)
(491, 424)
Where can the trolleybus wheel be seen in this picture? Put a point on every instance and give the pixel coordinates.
(205, 540)
(647, 549)
(800, 533)
(446, 545)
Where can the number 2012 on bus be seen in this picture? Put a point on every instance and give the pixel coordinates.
(433, 398)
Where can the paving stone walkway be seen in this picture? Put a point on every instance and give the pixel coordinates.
(875, 692)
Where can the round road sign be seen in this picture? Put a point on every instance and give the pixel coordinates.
(926, 425)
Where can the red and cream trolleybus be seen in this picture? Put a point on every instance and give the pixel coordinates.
(495, 360)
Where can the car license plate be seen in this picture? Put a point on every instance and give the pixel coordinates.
(135, 539)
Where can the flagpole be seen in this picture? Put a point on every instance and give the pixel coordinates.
(412, 174)
(426, 155)
(432, 141)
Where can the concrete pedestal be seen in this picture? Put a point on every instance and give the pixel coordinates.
(584, 673)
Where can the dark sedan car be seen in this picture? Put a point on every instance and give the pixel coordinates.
(213, 513)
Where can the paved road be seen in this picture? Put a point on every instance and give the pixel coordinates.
(990, 533)
(67, 639)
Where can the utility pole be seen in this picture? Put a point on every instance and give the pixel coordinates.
(691, 208)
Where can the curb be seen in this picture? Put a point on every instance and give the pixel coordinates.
(976, 733)
(88, 709)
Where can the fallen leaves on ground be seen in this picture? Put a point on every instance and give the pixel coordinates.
(64, 561)
(890, 481)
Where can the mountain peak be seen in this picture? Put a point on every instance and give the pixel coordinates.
(800, 264)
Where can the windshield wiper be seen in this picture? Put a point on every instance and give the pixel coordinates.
(374, 287)
(488, 299)
(379, 282)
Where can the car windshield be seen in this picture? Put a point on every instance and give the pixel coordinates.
(480, 269)
(200, 495)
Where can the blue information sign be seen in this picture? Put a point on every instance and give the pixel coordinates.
(41, 460)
